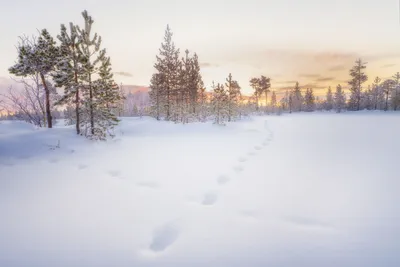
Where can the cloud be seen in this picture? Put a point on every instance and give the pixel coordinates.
(325, 79)
(388, 66)
(337, 68)
(208, 65)
(309, 75)
(123, 73)
(285, 82)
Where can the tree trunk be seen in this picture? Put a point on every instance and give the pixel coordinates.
(91, 106)
(47, 92)
(78, 130)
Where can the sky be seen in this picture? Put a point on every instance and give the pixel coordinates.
(314, 42)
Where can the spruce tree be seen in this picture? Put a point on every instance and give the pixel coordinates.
(273, 101)
(309, 100)
(233, 92)
(219, 103)
(388, 86)
(395, 97)
(329, 99)
(339, 99)
(38, 58)
(297, 98)
(106, 97)
(156, 95)
(358, 78)
(168, 65)
(377, 93)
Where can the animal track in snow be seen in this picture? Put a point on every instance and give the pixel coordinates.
(223, 179)
(252, 153)
(54, 160)
(164, 237)
(306, 222)
(82, 166)
(209, 199)
(147, 184)
(238, 168)
(265, 144)
(257, 148)
(242, 159)
(114, 173)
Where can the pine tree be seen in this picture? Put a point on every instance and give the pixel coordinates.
(107, 96)
(265, 85)
(395, 97)
(168, 66)
(377, 93)
(388, 86)
(196, 82)
(233, 93)
(297, 98)
(219, 103)
(202, 109)
(273, 101)
(329, 99)
(38, 58)
(339, 99)
(156, 95)
(358, 78)
(255, 84)
(69, 70)
(309, 100)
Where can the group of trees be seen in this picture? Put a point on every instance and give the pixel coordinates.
(381, 95)
(177, 85)
(77, 64)
(92, 101)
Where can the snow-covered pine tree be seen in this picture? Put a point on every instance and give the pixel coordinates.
(233, 92)
(395, 97)
(219, 103)
(377, 93)
(202, 105)
(388, 86)
(38, 58)
(329, 99)
(309, 100)
(99, 96)
(367, 99)
(107, 97)
(273, 101)
(168, 65)
(156, 95)
(297, 98)
(339, 99)
(68, 71)
(196, 83)
(358, 78)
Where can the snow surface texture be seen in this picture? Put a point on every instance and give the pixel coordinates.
(293, 190)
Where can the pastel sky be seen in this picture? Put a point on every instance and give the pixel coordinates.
(314, 42)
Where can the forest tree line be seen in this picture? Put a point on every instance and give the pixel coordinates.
(76, 63)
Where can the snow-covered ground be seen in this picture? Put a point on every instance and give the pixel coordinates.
(293, 190)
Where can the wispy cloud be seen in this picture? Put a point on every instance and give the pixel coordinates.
(309, 75)
(325, 79)
(337, 68)
(285, 82)
(123, 73)
(208, 65)
(388, 66)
